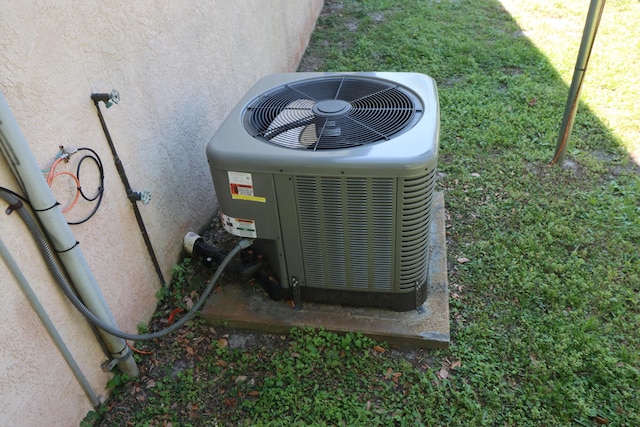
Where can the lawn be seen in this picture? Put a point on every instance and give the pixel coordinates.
(544, 265)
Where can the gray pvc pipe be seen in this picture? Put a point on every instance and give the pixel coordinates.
(48, 324)
(27, 171)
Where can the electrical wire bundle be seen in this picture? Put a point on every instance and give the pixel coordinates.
(52, 174)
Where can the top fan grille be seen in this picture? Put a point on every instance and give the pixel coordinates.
(332, 112)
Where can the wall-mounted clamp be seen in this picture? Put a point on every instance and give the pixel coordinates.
(143, 196)
(108, 98)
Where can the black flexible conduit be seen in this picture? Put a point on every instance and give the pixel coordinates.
(16, 205)
(125, 181)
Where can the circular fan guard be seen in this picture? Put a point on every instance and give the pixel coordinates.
(332, 112)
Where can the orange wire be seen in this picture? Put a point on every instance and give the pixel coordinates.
(52, 169)
(52, 175)
(135, 350)
(173, 314)
(75, 178)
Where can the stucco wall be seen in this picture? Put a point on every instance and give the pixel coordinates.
(179, 68)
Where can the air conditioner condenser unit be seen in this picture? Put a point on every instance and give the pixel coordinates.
(333, 174)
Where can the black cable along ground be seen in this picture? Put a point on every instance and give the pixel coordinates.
(15, 204)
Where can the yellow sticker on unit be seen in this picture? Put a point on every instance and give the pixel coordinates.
(250, 198)
(241, 187)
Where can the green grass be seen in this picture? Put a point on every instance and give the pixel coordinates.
(613, 73)
(544, 317)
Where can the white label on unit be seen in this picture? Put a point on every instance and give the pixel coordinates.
(238, 226)
(241, 178)
(241, 187)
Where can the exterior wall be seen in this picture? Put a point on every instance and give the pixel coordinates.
(179, 68)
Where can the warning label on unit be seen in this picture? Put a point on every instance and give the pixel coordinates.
(238, 226)
(241, 187)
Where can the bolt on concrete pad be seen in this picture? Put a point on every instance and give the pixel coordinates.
(244, 307)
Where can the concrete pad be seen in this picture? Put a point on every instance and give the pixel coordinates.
(242, 306)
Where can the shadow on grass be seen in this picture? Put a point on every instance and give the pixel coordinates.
(544, 310)
(552, 249)
(497, 90)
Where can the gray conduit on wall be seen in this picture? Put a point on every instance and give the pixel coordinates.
(59, 277)
(27, 172)
(48, 324)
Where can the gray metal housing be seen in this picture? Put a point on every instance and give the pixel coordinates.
(352, 221)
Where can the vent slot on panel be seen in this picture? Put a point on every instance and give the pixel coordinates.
(347, 231)
(417, 194)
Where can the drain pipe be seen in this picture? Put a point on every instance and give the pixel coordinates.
(48, 324)
(26, 170)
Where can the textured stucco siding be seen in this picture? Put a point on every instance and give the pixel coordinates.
(179, 68)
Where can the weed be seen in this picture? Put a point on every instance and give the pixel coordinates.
(546, 312)
(117, 380)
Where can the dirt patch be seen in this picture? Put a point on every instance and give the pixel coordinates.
(452, 81)
(331, 8)
(377, 16)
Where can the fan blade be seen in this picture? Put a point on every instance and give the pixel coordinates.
(273, 132)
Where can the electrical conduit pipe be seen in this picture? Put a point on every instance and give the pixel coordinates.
(67, 289)
(48, 324)
(26, 170)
